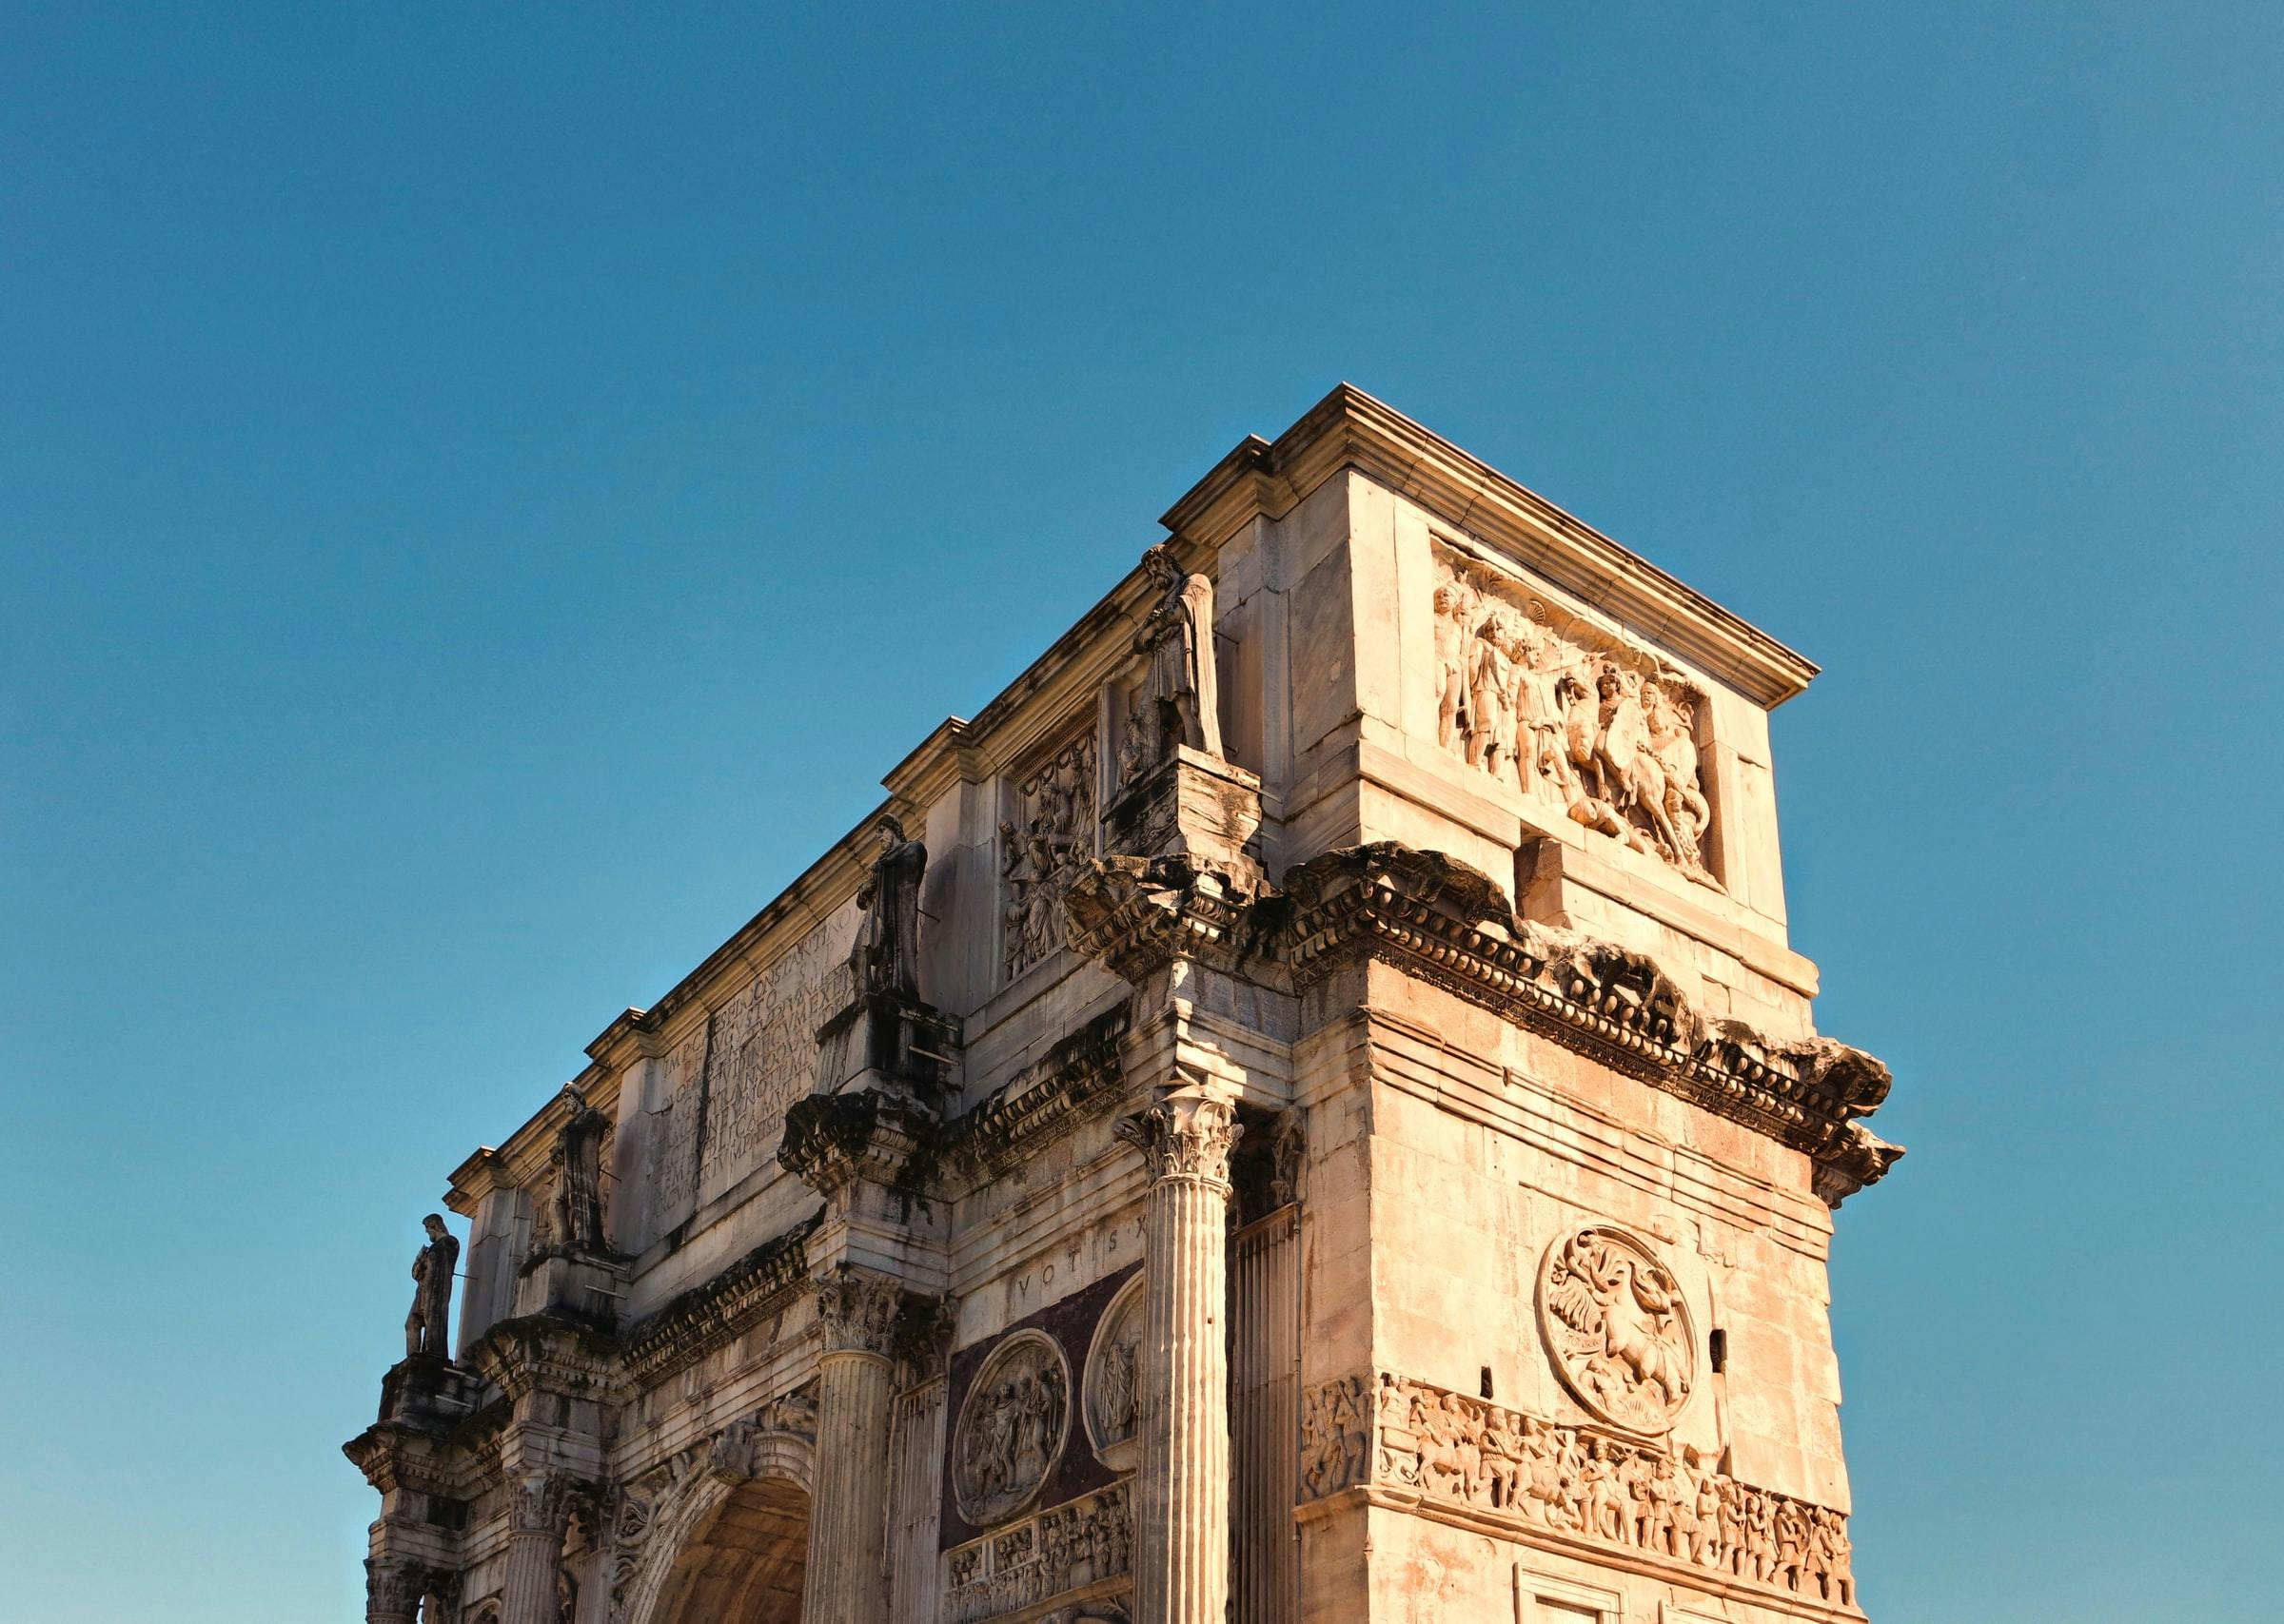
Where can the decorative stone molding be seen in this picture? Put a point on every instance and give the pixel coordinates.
(694, 1324)
(831, 1141)
(1082, 1550)
(1136, 915)
(1408, 1444)
(1187, 1134)
(1012, 1428)
(1615, 1323)
(856, 1313)
(550, 1353)
(1448, 924)
(1077, 1079)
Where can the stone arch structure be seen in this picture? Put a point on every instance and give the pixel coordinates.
(729, 1541)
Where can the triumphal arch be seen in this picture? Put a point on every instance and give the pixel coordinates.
(1303, 1109)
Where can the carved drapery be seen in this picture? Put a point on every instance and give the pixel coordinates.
(1182, 1490)
(1468, 1461)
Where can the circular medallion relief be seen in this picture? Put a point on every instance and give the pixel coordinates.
(1617, 1328)
(1012, 1428)
(1110, 1386)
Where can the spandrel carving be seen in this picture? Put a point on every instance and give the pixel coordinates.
(1561, 710)
(1049, 838)
(1617, 1328)
(1012, 1429)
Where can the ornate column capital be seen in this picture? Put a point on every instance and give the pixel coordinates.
(540, 1502)
(392, 1589)
(1188, 1134)
(858, 1313)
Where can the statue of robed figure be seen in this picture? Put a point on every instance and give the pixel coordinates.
(428, 1327)
(1180, 700)
(578, 1158)
(886, 957)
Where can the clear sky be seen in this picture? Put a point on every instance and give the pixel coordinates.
(486, 492)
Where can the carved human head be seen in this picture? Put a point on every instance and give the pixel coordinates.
(1158, 563)
(889, 832)
(434, 1223)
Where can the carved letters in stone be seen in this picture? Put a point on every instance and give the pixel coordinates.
(1088, 1542)
(1421, 1445)
(1617, 1327)
(1112, 1365)
(1012, 1428)
(1550, 703)
(733, 1077)
(1050, 835)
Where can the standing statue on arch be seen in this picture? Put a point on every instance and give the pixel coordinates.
(428, 1327)
(1180, 699)
(887, 955)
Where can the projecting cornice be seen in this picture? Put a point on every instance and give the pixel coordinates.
(1349, 429)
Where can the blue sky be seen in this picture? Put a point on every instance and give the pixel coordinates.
(484, 493)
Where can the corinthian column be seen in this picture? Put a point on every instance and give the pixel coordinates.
(846, 1579)
(392, 1592)
(538, 1507)
(1182, 1492)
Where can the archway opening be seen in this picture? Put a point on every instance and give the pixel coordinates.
(745, 1565)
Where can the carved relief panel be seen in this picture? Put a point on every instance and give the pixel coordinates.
(1617, 1327)
(1047, 830)
(1550, 703)
(1012, 1429)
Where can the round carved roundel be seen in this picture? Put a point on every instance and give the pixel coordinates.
(1108, 1397)
(1617, 1328)
(1012, 1428)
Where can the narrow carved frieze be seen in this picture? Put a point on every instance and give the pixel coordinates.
(1410, 1442)
(1085, 1544)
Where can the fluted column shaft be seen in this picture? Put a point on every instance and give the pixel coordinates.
(539, 1507)
(1182, 1491)
(846, 1578)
